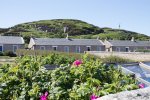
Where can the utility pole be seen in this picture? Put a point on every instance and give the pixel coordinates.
(119, 26)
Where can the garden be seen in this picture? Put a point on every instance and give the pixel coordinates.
(76, 78)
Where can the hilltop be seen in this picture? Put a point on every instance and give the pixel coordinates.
(75, 28)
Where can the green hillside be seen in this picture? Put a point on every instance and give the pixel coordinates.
(75, 29)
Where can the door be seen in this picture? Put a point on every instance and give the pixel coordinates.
(15, 47)
(88, 48)
(1, 48)
(127, 49)
(77, 49)
(66, 49)
(54, 48)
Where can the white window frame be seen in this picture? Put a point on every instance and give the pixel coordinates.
(42, 47)
(54, 47)
(78, 49)
(66, 48)
(88, 47)
(15, 46)
(2, 47)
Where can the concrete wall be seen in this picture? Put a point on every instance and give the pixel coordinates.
(71, 48)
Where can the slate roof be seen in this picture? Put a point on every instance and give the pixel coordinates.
(64, 41)
(11, 40)
(128, 43)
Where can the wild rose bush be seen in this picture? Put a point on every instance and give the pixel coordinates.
(74, 79)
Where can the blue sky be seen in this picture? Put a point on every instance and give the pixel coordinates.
(133, 15)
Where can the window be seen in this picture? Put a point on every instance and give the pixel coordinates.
(15, 47)
(88, 48)
(1, 48)
(77, 49)
(42, 47)
(98, 48)
(118, 49)
(145, 48)
(55, 48)
(135, 49)
(66, 49)
(127, 49)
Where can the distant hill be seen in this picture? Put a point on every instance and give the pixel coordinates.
(75, 28)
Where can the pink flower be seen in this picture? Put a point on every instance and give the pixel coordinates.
(44, 96)
(77, 63)
(141, 85)
(93, 97)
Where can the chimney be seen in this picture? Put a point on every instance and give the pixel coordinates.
(65, 29)
(132, 39)
(67, 37)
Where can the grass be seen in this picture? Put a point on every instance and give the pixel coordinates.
(5, 57)
(6, 60)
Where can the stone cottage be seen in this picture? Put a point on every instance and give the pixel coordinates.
(11, 43)
(126, 45)
(66, 44)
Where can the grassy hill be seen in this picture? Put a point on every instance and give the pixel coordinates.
(75, 29)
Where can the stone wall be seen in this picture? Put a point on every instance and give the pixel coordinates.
(140, 94)
(135, 56)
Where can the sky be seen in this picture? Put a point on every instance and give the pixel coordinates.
(132, 15)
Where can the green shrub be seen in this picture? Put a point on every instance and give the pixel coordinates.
(142, 50)
(9, 53)
(28, 79)
(1, 54)
(115, 59)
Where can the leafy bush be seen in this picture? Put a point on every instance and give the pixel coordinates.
(45, 53)
(28, 79)
(115, 59)
(1, 54)
(142, 50)
(9, 53)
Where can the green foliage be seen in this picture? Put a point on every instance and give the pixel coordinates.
(21, 52)
(75, 29)
(9, 53)
(142, 50)
(1, 53)
(115, 59)
(28, 79)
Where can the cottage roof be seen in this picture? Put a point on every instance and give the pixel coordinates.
(64, 41)
(128, 43)
(11, 40)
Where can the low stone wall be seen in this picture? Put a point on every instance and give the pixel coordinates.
(140, 94)
(136, 56)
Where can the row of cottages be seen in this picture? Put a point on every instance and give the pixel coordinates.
(11, 43)
(126, 45)
(66, 45)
